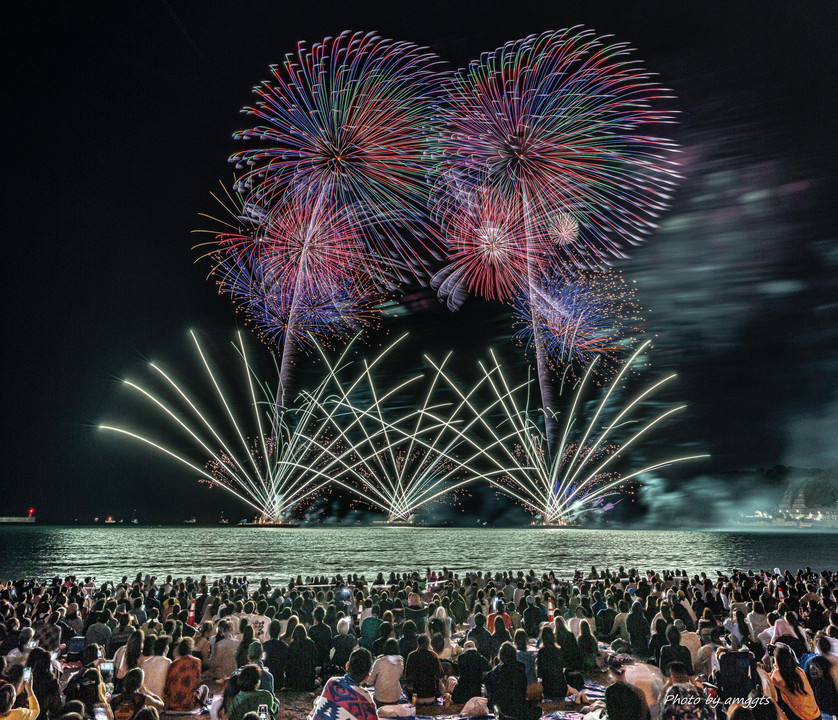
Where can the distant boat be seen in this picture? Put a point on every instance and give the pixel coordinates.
(110, 521)
(223, 520)
(191, 521)
(134, 518)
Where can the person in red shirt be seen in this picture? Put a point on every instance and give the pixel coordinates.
(500, 611)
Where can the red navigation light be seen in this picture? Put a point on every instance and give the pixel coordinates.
(31, 511)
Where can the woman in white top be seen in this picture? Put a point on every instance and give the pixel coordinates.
(386, 673)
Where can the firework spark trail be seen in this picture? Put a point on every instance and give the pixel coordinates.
(290, 468)
(561, 487)
(554, 124)
(401, 463)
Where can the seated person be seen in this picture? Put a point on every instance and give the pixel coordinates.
(345, 697)
(249, 697)
(127, 704)
(184, 690)
(472, 666)
(423, 673)
(506, 687)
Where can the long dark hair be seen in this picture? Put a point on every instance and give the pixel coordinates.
(134, 648)
(787, 665)
(500, 631)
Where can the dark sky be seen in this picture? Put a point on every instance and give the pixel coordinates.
(117, 125)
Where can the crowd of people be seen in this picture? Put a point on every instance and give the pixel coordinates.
(752, 646)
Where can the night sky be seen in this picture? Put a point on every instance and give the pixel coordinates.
(118, 120)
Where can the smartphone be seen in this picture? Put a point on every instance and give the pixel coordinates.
(99, 713)
(32, 644)
(263, 712)
(27, 674)
(106, 668)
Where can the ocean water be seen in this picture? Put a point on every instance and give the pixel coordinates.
(111, 552)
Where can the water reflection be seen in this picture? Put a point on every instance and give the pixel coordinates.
(276, 553)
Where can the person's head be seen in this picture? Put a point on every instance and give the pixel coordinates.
(437, 643)
(521, 639)
(185, 646)
(274, 629)
(300, 634)
(7, 697)
(548, 637)
(679, 672)
(391, 647)
(70, 709)
(147, 713)
(673, 637)
(507, 653)
(479, 620)
(623, 702)
(500, 626)
(249, 678)
(40, 662)
(254, 652)
(739, 712)
(823, 646)
(134, 679)
(161, 644)
(343, 626)
(247, 635)
(423, 642)
(358, 667)
(92, 688)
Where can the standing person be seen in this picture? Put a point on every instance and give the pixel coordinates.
(386, 674)
(345, 697)
(794, 694)
(506, 687)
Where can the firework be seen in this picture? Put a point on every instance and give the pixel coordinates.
(279, 464)
(301, 274)
(584, 469)
(580, 317)
(399, 459)
(556, 124)
(349, 122)
(487, 247)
